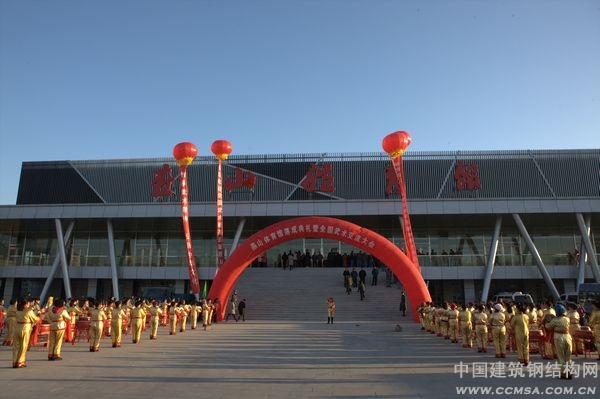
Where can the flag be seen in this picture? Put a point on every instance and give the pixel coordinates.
(204, 290)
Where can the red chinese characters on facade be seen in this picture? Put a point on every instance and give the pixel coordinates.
(466, 176)
(319, 178)
(391, 182)
(241, 178)
(162, 182)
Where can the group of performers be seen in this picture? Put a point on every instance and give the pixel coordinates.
(25, 319)
(510, 326)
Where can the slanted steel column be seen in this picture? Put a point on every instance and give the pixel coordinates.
(588, 247)
(536, 256)
(50, 277)
(63, 257)
(491, 260)
(238, 234)
(113, 260)
(583, 254)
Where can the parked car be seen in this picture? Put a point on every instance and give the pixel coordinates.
(514, 297)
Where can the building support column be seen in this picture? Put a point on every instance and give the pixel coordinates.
(63, 258)
(238, 234)
(585, 237)
(583, 255)
(536, 256)
(113, 260)
(489, 269)
(54, 267)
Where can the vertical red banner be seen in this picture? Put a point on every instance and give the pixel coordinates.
(409, 239)
(220, 245)
(193, 271)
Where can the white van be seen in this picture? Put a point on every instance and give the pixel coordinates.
(514, 297)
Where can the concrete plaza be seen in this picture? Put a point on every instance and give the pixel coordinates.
(264, 359)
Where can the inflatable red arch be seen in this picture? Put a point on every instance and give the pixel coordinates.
(319, 227)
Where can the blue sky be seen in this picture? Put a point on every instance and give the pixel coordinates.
(132, 78)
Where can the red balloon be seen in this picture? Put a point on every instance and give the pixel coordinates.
(185, 153)
(396, 143)
(221, 149)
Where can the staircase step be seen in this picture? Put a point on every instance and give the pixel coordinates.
(300, 294)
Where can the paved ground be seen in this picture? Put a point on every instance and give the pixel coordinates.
(272, 360)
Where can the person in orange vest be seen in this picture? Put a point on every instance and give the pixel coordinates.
(25, 319)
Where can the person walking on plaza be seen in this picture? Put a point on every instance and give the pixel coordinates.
(232, 310)
(480, 319)
(347, 281)
(206, 305)
(330, 310)
(137, 321)
(97, 318)
(183, 315)
(497, 321)
(594, 324)
(242, 310)
(520, 325)
(563, 342)
(403, 303)
(374, 274)
(58, 318)
(25, 319)
(361, 289)
(547, 313)
(354, 275)
(362, 275)
(116, 324)
(465, 323)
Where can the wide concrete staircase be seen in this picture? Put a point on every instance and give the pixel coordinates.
(300, 294)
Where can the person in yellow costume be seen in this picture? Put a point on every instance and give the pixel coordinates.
(519, 324)
(194, 311)
(173, 315)
(116, 324)
(452, 315)
(574, 327)
(547, 313)
(58, 318)
(594, 324)
(11, 323)
(74, 312)
(155, 315)
(205, 313)
(480, 319)
(465, 322)
(497, 322)
(563, 342)
(183, 315)
(137, 316)
(25, 319)
(97, 317)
